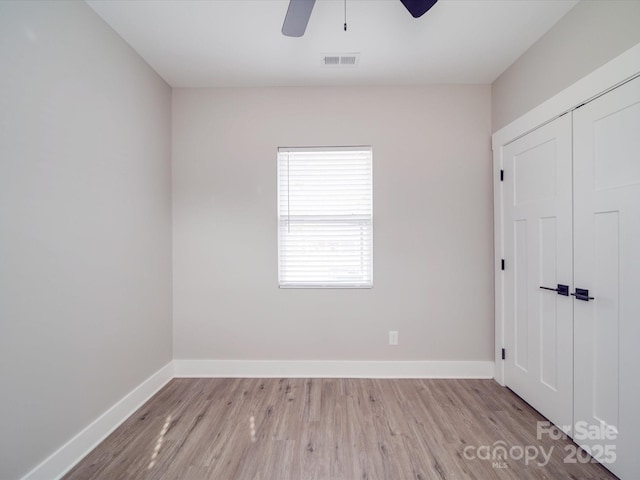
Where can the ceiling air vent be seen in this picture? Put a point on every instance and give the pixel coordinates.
(340, 59)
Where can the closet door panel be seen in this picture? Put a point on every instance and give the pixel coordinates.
(607, 263)
(538, 252)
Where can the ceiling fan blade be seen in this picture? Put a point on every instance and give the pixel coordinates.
(298, 13)
(417, 8)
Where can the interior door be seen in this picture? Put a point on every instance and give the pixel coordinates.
(538, 253)
(607, 264)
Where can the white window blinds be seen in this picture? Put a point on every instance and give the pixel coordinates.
(325, 217)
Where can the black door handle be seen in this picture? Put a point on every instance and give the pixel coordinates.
(561, 289)
(582, 294)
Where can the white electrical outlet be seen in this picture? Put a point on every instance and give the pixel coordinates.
(393, 337)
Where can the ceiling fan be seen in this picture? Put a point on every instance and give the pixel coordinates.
(299, 11)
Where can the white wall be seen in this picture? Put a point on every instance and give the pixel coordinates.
(591, 34)
(433, 241)
(85, 242)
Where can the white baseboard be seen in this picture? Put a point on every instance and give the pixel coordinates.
(333, 369)
(61, 461)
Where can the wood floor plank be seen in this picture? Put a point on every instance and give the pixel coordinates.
(330, 429)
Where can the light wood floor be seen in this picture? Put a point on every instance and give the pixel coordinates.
(346, 429)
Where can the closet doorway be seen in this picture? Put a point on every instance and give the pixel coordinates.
(571, 243)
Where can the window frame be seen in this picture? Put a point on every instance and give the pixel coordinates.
(353, 220)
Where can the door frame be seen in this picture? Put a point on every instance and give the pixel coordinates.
(620, 70)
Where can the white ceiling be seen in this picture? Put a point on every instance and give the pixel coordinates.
(200, 43)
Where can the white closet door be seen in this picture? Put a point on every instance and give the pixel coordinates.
(538, 253)
(607, 263)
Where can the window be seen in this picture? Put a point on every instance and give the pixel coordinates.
(325, 217)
